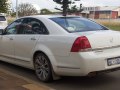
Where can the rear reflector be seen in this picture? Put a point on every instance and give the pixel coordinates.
(81, 44)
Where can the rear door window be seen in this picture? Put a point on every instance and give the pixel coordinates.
(33, 26)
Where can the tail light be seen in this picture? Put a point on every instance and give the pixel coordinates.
(81, 44)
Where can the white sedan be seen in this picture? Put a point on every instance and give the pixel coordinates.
(57, 46)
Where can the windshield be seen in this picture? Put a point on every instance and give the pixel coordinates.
(77, 24)
(2, 18)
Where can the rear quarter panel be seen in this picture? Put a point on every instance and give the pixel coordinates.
(55, 46)
(58, 45)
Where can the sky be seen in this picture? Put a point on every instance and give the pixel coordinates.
(49, 4)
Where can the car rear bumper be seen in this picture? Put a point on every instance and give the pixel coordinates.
(83, 63)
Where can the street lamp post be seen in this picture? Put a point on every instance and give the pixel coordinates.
(16, 9)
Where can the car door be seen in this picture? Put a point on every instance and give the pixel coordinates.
(7, 40)
(26, 38)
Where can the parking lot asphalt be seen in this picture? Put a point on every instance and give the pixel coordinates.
(10, 81)
(27, 80)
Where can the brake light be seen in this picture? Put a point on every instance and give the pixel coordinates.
(81, 44)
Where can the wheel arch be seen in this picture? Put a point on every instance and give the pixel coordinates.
(53, 66)
(49, 55)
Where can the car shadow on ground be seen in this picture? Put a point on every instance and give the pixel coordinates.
(89, 83)
(104, 81)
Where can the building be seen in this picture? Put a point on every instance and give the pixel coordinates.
(106, 12)
(118, 9)
(86, 11)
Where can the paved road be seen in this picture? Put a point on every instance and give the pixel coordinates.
(110, 81)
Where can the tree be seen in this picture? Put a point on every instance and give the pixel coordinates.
(65, 6)
(3, 6)
(46, 11)
(75, 9)
(26, 9)
(13, 13)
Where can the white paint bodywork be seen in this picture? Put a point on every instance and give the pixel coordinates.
(20, 49)
(3, 24)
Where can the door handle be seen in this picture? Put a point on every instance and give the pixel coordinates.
(11, 38)
(33, 38)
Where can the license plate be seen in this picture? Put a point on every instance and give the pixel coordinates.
(113, 61)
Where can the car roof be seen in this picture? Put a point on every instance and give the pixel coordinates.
(49, 16)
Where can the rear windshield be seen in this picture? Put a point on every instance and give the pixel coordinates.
(77, 24)
(2, 18)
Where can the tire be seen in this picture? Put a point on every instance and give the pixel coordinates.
(42, 67)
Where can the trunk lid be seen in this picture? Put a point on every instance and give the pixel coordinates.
(103, 39)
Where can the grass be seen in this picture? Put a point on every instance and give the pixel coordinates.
(10, 19)
(114, 25)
